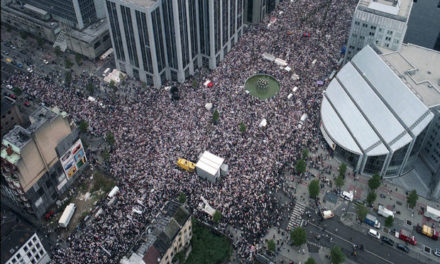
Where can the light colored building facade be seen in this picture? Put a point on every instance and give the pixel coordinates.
(256, 10)
(381, 112)
(378, 22)
(159, 40)
(11, 115)
(32, 174)
(32, 251)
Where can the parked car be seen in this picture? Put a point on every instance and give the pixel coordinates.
(387, 241)
(12, 96)
(27, 104)
(436, 252)
(374, 233)
(402, 247)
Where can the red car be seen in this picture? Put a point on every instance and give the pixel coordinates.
(27, 104)
(12, 96)
(307, 35)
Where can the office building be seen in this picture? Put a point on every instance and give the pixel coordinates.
(380, 114)
(168, 234)
(159, 40)
(38, 163)
(424, 24)
(11, 115)
(382, 23)
(91, 40)
(256, 10)
(20, 241)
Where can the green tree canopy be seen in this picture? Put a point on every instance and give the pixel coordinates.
(298, 236)
(339, 181)
(78, 58)
(336, 255)
(17, 91)
(412, 198)
(215, 117)
(67, 78)
(305, 154)
(310, 261)
(68, 63)
(314, 188)
(371, 197)
(182, 197)
(217, 217)
(271, 245)
(374, 182)
(389, 221)
(242, 128)
(300, 166)
(109, 138)
(83, 125)
(90, 88)
(361, 211)
(342, 170)
(57, 51)
(106, 155)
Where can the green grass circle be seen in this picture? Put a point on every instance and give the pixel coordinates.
(273, 87)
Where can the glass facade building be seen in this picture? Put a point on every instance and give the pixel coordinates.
(160, 40)
(76, 13)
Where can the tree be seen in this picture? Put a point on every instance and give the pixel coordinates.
(361, 211)
(40, 42)
(339, 181)
(106, 155)
(336, 255)
(374, 182)
(305, 154)
(90, 88)
(215, 117)
(389, 221)
(271, 245)
(83, 126)
(371, 197)
(23, 34)
(78, 58)
(194, 84)
(57, 51)
(412, 198)
(342, 170)
(17, 91)
(314, 188)
(300, 166)
(112, 84)
(67, 78)
(182, 198)
(68, 63)
(217, 216)
(298, 236)
(109, 138)
(242, 128)
(310, 261)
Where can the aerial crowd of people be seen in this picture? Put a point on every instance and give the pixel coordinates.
(151, 132)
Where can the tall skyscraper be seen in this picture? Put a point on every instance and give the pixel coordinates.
(159, 40)
(379, 22)
(76, 13)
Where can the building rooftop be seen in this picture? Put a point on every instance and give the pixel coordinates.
(397, 8)
(142, 3)
(90, 33)
(39, 117)
(15, 9)
(367, 108)
(15, 232)
(7, 104)
(17, 138)
(419, 69)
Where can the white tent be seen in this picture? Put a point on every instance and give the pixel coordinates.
(295, 88)
(289, 96)
(91, 99)
(205, 207)
(295, 77)
(208, 106)
(208, 166)
(263, 123)
(268, 56)
(280, 62)
(288, 69)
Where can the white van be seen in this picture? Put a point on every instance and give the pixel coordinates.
(347, 195)
(374, 233)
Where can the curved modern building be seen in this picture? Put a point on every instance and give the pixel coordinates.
(370, 115)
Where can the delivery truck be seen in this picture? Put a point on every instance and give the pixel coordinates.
(427, 231)
(383, 211)
(327, 214)
(372, 221)
(67, 215)
(432, 213)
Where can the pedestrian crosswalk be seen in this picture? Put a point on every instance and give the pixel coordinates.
(296, 216)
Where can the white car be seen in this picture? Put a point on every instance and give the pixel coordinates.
(374, 233)
(30, 69)
(45, 61)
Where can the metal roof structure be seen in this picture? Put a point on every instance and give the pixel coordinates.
(368, 109)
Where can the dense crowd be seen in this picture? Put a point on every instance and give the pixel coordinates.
(152, 132)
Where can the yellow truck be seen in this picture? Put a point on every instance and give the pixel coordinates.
(186, 165)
